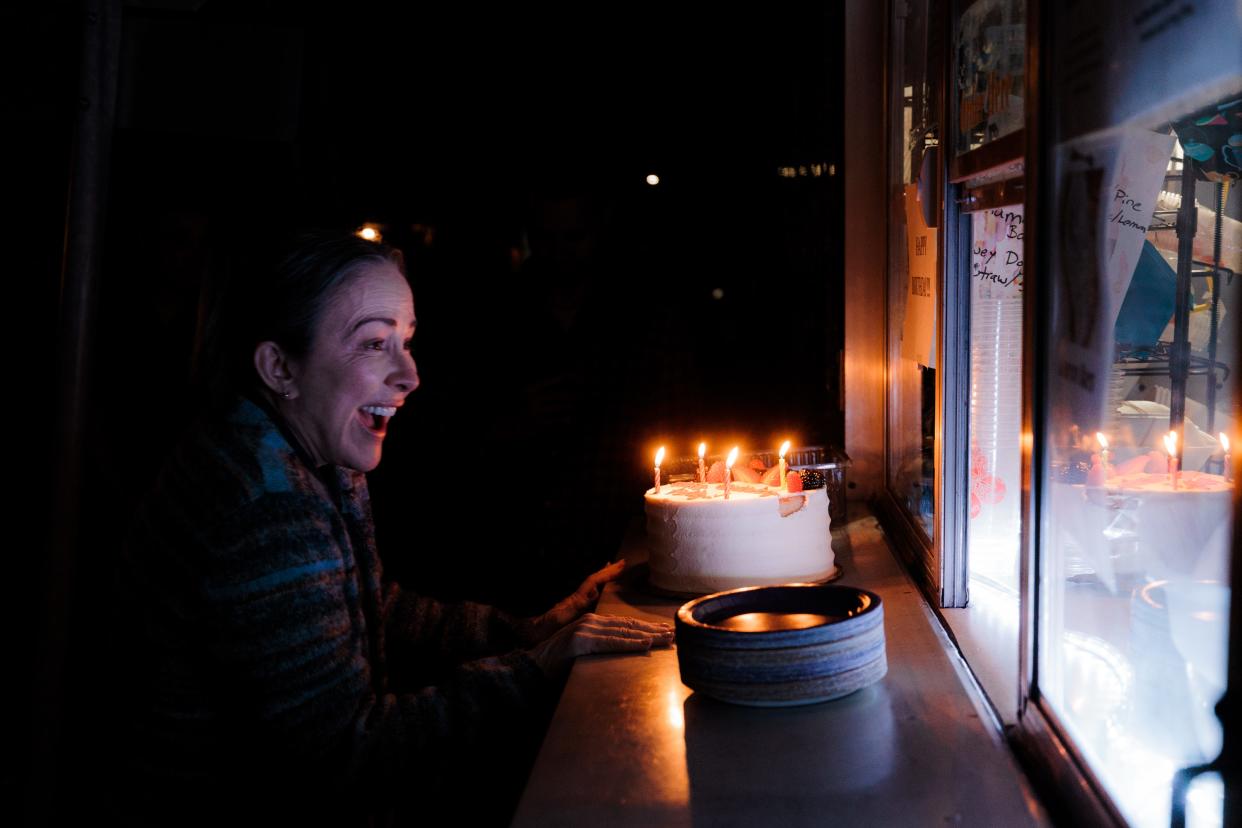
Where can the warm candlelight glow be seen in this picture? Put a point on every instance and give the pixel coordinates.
(676, 719)
(702, 468)
(1103, 441)
(369, 232)
(784, 484)
(1224, 441)
(1170, 445)
(659, 460)
(729, 470)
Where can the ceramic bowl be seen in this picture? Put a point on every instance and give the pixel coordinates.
(782, 645)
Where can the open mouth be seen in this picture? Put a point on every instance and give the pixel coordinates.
(374, 418)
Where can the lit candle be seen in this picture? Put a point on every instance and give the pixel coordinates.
(702, 468)
(729, 470)
(1170, 445)
(1224, 443)
(1103, 441)
(659, 460)
(784, 448)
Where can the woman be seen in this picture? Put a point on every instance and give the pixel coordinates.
(263, 625)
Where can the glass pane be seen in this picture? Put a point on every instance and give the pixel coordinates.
(912, 270)
(990, 38)
(996, 261)
(1136, 525)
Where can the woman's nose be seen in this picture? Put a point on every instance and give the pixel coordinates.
(405, 377)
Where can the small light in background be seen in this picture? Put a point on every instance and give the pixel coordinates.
(717, 293)
(653, 179)
(424, 233)
(370, 232)
(817, 169)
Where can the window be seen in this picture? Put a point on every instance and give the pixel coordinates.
(1137, 363)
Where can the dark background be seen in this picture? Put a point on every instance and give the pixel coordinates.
(235, 121)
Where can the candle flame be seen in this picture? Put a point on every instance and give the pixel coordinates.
(1170, 443)
(784, 448)
(1224, 441)
(732, 458)
(1103, 441)
(659, 457)
(702, 450)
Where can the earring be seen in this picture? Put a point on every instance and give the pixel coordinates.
(286, 394)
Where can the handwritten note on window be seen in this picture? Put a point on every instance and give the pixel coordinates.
(996, 253)
(1138, 171)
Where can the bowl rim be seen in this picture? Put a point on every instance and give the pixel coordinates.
(685, 613)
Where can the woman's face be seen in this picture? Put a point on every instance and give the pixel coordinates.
(358, 372)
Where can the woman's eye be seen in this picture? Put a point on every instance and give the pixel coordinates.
(375, 345)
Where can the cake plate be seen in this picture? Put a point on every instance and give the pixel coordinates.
(652, 589)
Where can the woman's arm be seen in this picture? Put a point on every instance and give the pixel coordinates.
(466, 629)
(461, 629)
(289, 637)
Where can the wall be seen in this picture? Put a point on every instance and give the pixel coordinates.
(864, 244)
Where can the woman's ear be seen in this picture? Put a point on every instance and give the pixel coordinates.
(274, 368)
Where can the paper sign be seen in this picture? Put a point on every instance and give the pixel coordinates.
(1083, 343)
(918, 330)
(996, 253)
(1138, 172)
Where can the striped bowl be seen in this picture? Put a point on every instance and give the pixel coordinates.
(775, 646)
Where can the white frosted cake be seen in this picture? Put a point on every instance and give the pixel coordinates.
(1137, 523)
(700, 542)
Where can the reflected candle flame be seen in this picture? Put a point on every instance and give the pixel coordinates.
(729, 470)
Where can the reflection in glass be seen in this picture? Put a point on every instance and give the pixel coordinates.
(1135, 558)
(912, 269)
(991, 72)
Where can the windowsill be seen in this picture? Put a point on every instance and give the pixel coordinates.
(630, 744)
(986, 632)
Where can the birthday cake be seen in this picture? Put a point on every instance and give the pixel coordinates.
(1136, 522)
(1151, 483)
(701, 542)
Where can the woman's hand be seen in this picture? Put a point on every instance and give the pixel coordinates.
(565, 611)
(598, 634)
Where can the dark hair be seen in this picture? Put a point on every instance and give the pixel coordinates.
(280, 299)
